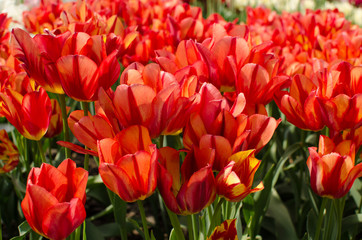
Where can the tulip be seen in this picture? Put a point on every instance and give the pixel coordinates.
(216, 117)
(128, 164)
(235, 181)
(300, 105)
(148, 97)
(225, 231)
(9, 154)
(38, 56)
(54, 200)
(84, 67)
(29, 114)
(56, 123)
(332, 169)
(190, 189)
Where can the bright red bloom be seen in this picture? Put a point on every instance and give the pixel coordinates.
(128, 164)
(190, 189)
(340, 95)
(216, 117)
(29, 114)
(332, 169)
(84, 67)
(300, 105)
(235, 181)
(38, 56)
(56, 122)
(9, 155)
(54, 199)
(89, 129)
(225, 231)
(152, 98)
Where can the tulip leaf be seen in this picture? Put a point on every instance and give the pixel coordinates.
(24, 229)
(352, 224)
(287, 154)
(311, 224)
(173, 235)
(284, 227)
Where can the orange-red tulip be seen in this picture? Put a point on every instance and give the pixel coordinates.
(29, 114)
(56, 123)
(38, 56)
(54, 199)
(235, 181)
(332, 169)
(84, 67)
(9, 154)
(300, 105)
(190, 188)
(128, 164)
(225, 231)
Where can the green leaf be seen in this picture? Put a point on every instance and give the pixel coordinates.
(24, 229)
(93, 232)
(173, 235)
(311, 224)
(152, 236)
(287, 154)
(248, 207)
(352, 224)
(284, 227)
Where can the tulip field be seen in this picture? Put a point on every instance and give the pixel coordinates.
(171, 119)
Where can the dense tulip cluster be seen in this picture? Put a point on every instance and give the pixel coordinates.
(157, 68)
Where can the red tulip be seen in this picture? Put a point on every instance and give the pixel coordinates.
(190, 189)
(38, 56)
(29, 114)
(56, 123)
(54, 199)
(235, 181)
(225, 231)
(9, 154)
(300, 105)
(128, 164)
(84, 67)
(332, 169)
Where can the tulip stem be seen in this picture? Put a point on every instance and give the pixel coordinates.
(216, 216)
(63, 108)
(144, 221)
(86, 156)
(176, 224)
(41, 151)
(1, 233)
(339, 205)
(190, 228)
(328, 226)
(320, 219)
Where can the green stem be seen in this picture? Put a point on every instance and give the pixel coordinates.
(176, 224)
(1, 233)
(86, 156)
(77, 232)
(320, 219)
(63, 108)
(50, 151)
(144, 221)
(194, 226)
(84, 231)
(119, 210)
(41, 151)
(216, 213)
(190, 227)
(328, 226)
(339, 205)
